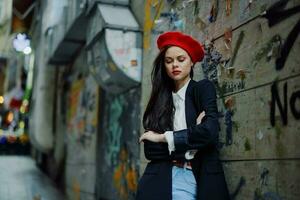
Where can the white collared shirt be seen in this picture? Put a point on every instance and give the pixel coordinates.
(179, 122)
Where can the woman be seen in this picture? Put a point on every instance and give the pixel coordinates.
(181, 123)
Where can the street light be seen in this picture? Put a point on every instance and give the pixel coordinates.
(1, 99)
(21, 43)
(27, 50)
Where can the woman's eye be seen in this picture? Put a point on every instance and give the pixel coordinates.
(181, 59)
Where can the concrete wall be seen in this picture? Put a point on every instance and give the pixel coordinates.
(81, 102)
(260, 157)
(137, 8)
(5, 23)
(41, 116)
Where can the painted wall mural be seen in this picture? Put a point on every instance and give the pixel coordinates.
(118, 147)
(82, 126)
(82, 115)
(125, 175)
(114, 131)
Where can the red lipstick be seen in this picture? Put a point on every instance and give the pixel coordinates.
(176, 72)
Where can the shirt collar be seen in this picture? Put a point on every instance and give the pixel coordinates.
(181, 92)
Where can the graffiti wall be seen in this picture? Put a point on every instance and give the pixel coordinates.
(118, 147)
(252, 57)
(80, 107)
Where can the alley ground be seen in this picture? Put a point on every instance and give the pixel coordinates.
(20, 179)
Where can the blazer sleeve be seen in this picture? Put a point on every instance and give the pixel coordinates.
(156, 151)
(204, 134)
(160, 151)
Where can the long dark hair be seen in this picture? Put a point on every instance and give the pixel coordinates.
(159, 112)
(158, 115)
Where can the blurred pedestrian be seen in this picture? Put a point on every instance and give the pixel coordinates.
(181, 128)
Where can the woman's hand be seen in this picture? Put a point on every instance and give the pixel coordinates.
(200, 117)
(152, 136)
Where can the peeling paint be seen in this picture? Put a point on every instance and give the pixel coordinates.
(263, 52)
(211, 62)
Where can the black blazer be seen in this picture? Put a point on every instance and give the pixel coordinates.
(156, 182)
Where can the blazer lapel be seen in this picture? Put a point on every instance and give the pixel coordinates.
(190, 109)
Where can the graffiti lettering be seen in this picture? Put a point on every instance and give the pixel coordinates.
(228, 122)
(242, 182)
(276, 14)
(233, 86)
(283, 108)
(293, 99)
(264, 176)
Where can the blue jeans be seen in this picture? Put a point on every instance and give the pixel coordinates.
(183, 184)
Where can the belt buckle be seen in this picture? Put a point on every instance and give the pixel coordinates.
(187, 165)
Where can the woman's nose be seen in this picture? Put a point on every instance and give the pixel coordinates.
(175, 63)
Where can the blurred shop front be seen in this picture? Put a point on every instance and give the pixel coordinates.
(15, 76)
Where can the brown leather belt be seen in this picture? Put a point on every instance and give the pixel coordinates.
(182, 164)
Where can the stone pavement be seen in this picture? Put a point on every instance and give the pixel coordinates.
(20, 179)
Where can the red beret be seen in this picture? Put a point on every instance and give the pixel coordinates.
(186, 42)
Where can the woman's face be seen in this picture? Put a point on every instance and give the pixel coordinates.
(178, 64)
